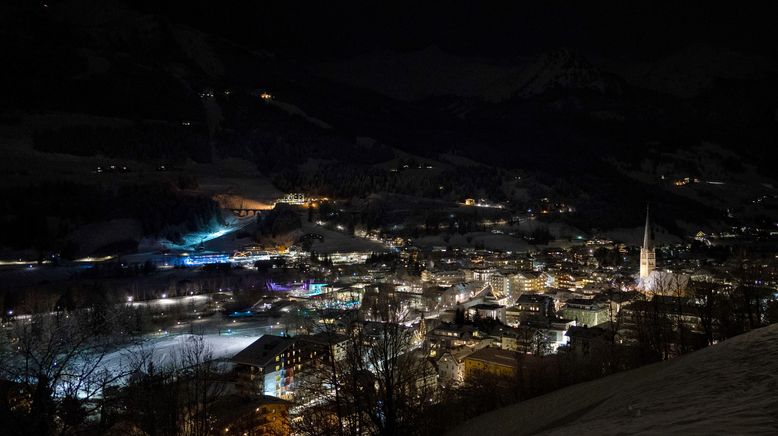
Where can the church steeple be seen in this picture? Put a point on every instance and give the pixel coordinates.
(648, 237)
(647, 252)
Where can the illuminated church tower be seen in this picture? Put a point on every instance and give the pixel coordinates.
(647, 252)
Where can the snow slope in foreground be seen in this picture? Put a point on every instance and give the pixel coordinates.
(730, 388)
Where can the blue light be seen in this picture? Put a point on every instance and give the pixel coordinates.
(205, 259)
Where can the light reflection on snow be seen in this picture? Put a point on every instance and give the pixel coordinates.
(193, 240)
(166, 351)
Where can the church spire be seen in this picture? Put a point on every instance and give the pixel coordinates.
(647, 253)
(648, 237)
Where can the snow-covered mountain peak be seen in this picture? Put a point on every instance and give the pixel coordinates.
(559, 68)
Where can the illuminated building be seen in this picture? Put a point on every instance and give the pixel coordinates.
(297, 198)
(250, 253)
(526, 282)
(205, 259)
(501, 285)
(585, 312)
(461, 292)
(310, 289)
(326, 344)
(233, 414)
(451, 367)
(483, 274)
(488, 310)
(566, 281)
(528, 307)
(443, 278)
(556, 334)
(665, 283)
(647, 252)
(268, 366)
(448, 336)
(348, 258)
(408, 288)
(492, 361)
(526, 339)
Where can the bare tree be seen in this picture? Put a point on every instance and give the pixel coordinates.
(150, 401)
(59, 359)
(382, 384)
(707, 306)
(176, 398)
(200, 385)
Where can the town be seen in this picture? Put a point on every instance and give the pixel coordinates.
(388, 218)
(296, 337)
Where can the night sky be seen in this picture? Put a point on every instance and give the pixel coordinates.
(496, 29)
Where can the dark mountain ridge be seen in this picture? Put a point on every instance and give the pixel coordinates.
(556, 115)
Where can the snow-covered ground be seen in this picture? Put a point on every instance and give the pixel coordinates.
(488, 240)
(216, 231)
(294, 110)
(338, 241)
(634, 236)
(729, 388)
(238, 178)
(164, 303)
(557, 229)
(166, 351)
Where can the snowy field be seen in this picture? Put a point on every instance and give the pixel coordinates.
(489, 241)
(335, 241)
(729, 388)
(166, 351)
(634, 236)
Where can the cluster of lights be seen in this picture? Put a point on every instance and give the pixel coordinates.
(112, 168)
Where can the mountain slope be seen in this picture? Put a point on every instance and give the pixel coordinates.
(689, 71)
(730, 388)
(556, 69)
(176, 93)
(431, 72)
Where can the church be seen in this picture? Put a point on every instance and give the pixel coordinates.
(651, 280)
(647, 251)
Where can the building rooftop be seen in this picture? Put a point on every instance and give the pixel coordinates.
(263, 351)
(582, 303)
(230, 408)
(496, 356)
(586, 332)
(487, 306)
(324, 338)
(457, 353)
(532, 298)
